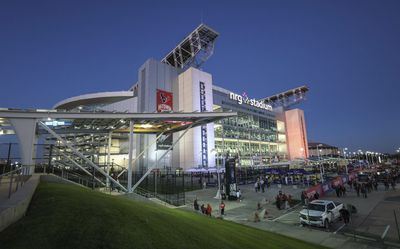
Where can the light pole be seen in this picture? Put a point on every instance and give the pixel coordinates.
(218, 195)
(319, 163)
(345, 159)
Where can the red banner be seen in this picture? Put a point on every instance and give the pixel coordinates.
(164, 101)
(311, 191)
(336, 182)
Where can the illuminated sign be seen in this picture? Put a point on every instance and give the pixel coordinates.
(244, 99)
(57, 123)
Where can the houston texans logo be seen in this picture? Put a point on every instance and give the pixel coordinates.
(164, 98)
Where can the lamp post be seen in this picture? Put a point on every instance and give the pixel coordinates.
(218, 195)
(345, 159)
(319, 163)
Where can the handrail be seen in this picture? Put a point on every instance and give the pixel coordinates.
(21, 172)
(15, 170)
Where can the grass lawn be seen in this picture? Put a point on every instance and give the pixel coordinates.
(65, 216)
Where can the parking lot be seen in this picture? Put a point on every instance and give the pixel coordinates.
(374, 216)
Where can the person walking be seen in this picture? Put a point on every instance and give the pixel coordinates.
(262, 183)
(345, 215)
(256, 186)
(303, 197)
(203, 209)
(364, 190)
(196, 205)
(358, 188)
(343, 190)
(209, 210)
(222, 207)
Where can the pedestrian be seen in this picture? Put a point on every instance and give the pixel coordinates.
(316, 195)
(238, 195)
(376, 185)
(386, 184)
(209, 210)
(256, 186)
(350, 183)
(358, 188)
(203, 209)
(262, 183)
(204, 185)
(364, 190)
(279, 199)
(222, 208)
(343, 190)
(337, 190)
(303, 197)
(196, 205)
(345, 215)
(393, 184)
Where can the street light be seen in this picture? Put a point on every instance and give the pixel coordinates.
(320, 167)
(344, 156)
(218, 195)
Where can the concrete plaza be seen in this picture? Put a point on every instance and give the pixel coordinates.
(373, 216)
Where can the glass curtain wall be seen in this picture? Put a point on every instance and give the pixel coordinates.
(253, 138)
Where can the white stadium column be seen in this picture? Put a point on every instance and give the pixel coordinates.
(25, 131)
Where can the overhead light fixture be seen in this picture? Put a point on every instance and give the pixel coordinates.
(146, 126)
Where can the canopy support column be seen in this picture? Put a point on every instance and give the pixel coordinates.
(108, 158)
(25, 130)
(129, 187)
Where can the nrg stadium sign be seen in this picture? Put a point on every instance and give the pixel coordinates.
(252, 102)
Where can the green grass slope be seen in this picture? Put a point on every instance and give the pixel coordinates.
(64, 216)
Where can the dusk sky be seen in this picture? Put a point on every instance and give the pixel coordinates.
(347, 52)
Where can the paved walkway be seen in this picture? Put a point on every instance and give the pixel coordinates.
(286, 222)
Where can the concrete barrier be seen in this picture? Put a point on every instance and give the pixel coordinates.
(13, 209)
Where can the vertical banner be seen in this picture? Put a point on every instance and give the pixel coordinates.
(164, 101)
(230, 176)
(164, 142)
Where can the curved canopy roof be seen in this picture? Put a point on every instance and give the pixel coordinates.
(93, 99)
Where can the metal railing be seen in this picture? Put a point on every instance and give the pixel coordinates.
(11, 181)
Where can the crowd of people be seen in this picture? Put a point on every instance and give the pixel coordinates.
(261, 183)
(283, 201)
(207, 210)
(372, 182)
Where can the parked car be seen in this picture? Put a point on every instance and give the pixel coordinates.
(320, 213)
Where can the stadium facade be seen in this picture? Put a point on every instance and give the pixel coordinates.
(265, 130)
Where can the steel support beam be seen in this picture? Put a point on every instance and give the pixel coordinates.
(161, 157)
(129, 187)
(79, 166)
(141, 154)
(79, 154)
(108, 158)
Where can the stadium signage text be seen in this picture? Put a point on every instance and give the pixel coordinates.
(252, 102)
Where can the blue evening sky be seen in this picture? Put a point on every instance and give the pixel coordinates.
(347, 52)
